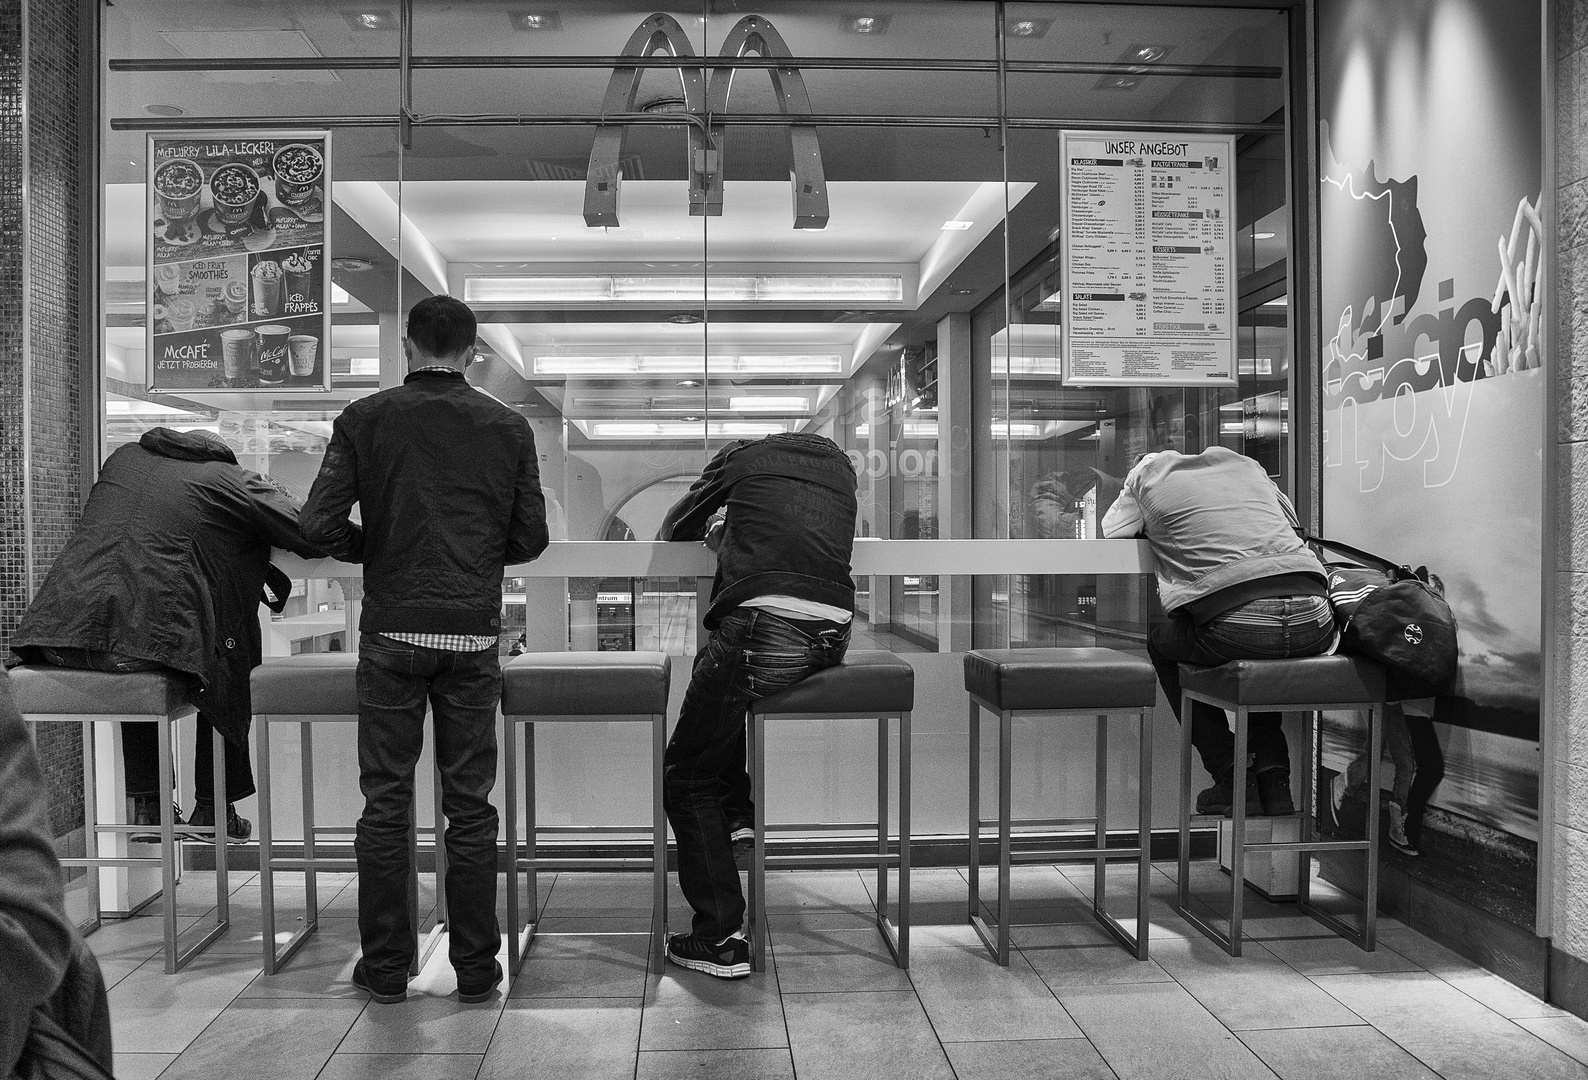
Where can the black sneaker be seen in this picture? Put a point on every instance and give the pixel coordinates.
(146, 811)
(238, 829)
(474, 993)
(384, 995)
(1273, 790)
(1220, 800)
(728, 959)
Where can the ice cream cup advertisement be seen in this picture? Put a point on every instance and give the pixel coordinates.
(238, 282)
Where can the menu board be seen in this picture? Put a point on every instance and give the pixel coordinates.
(238, 289)
(1148, 259)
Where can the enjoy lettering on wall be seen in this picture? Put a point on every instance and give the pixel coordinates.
(238, 282)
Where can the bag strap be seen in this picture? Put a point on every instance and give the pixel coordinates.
(1355, 552)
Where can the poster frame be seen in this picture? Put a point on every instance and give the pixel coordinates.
(323, 385)
(1066, 378)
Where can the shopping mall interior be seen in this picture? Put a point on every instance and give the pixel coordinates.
(687, 226)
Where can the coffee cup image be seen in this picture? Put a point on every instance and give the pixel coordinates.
(301, 350)
(234, 189)
(177, 184)
(237, 356)
(298, 168)
(266, 276)
(273, 353)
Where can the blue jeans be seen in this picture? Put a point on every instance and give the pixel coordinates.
(1274, 628)
(752, 654)
(464, 689)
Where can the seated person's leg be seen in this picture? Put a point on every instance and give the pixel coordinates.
(239, 781)
(1170, 644)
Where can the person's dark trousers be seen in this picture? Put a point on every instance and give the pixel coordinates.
(1430, 771)
(1270, 629)
(463, 688)
(752, 654)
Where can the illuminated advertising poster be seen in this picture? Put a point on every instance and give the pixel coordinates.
(1148, 259)
(238, 289)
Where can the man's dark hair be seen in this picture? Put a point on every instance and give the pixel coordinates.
(441, 326)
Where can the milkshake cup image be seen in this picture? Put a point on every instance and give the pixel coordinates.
(298, 168)
(273, 354)
(267, 287)
(295, 269)
(182, 311)
(236, 296)
(177, 184)
(301, 349)
(168, 278)
(234, 188)
(237, 356)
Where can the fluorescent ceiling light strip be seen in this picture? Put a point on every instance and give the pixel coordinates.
(769, 404)
(689, 364)
(684, 429)
(1025, 365)
(683, 288)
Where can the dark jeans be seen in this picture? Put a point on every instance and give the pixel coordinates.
(752, 654)
(140, 742)
(1430, 771)
(463, 688)
(1223, 638)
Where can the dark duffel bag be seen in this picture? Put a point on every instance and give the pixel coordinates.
(1395, 615)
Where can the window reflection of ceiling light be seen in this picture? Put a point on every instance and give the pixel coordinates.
(862, 431)
(364, 365)
(683, 429)
(1262, 236)
(920, 429)
(164, 110)
(370, 20)
(1148, 54)
(804, 364)
(536, 20)
(676, 288)
(770, 404)
(865, 24)
(1024, 365)
(1118, 82)
(1278, 301)
(957, 226)
(339, 295)
(1028, 28)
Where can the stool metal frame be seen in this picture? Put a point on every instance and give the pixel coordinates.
(896, 935)
(1365, 936)
(175, 958)
(275, 957)
(522, 934)
(996, 937)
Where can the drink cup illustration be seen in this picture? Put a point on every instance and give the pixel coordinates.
(298, 168)
(267, 287)
(234, 188)
(301, 349)
(237, 355)
(236, 295)
(177, 184)
(168, 278)
(295, 269)
(182, 311)
(273, 354)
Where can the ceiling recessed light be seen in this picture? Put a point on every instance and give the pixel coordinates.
(682, 318)
(690, 383)
(536, 20)
(1028, 28)
(1262, 236)
(165, 110)
(957, 226)
(865, 24)
(1148, 54)
(379, 19)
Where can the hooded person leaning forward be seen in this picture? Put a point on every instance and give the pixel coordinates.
(166, 570)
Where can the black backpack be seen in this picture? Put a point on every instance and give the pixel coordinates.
(1395, 615)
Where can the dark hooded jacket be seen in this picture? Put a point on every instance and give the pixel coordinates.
(790, 527)
(168, 564)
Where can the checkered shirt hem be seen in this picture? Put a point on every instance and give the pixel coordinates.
(449, 642)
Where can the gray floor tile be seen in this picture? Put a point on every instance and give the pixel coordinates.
(584, 961)
(1071, 955)
(141, 1066)
(1152, 1031)
(1448, 1031)
(122, 945)
(152, 1012)
(424, 1025)
(1339, 1053)
(599, 895)
(1254, 990)
(556, 1039)
(401, 1067)
(936, 895)
(1504, 997)
(268, 1040)
(322, 967)
(826, 890)
(878, 1036)
(1052, 1059)
(689, 1010)
(968, 997)
(819, 961)
(1565, 1032)
(715, 1065)
(1333, 955)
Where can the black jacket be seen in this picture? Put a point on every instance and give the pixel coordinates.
(790, 525)
(448, 485)
(168, 564)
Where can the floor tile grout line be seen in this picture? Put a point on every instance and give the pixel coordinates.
(1095, 1049)
(1386, 1035)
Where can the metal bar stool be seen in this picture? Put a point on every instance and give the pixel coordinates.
(867, 685)
(66, 695)
(1063, 684)
(1302, 684)
(580, 688)
(309, 689)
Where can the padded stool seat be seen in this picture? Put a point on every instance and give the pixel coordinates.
(581, 687)
(48, 694)
(309, 684)
(868, 684)
(1308, 684)
(1062, 684)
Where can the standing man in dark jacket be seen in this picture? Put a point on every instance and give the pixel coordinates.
(449, 486)
(780, 513)
(166, 570)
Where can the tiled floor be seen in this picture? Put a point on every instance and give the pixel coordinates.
(1299, 1004)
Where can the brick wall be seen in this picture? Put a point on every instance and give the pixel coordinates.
(57, 356)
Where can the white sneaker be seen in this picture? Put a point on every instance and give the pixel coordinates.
(1397, 830)
(1337, 792)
